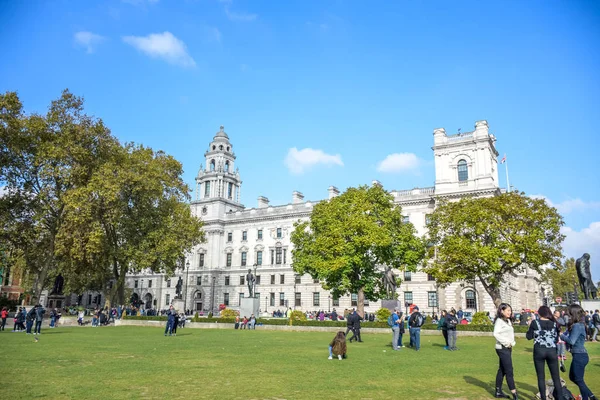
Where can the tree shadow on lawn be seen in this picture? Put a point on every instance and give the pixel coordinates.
(489, 387)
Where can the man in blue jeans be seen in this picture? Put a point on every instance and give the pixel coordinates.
(415, 322)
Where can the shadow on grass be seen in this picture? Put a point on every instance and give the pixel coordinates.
(439, 345)
(528, 350)
(476, 382)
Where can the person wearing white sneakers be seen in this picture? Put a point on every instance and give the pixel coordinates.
(338, 346)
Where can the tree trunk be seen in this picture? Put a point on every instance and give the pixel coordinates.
(38, 285)
(493, 291)
(361, 302)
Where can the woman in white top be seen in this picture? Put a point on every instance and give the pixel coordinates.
(505, 341)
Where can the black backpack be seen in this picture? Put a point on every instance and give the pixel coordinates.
(451, 322)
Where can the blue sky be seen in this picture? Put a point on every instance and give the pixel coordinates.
(353, 81)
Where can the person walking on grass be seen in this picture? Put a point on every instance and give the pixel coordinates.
(575, 337)
(596, 325)
(544, 332)
(170, 320)
(338, 346)
(39, 316)
(441, 326)
(356, 318)
(451, 322)
(3, 315)
(349, 323)
(504, 334)
(561, 346)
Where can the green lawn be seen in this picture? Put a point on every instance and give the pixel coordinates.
(137, 362)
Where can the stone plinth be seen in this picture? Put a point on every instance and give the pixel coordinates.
(56, 301)
(249, 306)
(178, 305)
(590, 305)
(391, 304)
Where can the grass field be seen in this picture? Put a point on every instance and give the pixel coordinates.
(140, 363)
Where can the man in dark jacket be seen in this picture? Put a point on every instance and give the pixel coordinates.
(170, 320)
(349, 323)
(29, 318)
(355, 326)
(415, 322)
(334, 316)
(39, 316)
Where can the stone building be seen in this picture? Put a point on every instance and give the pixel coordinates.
(258, 238)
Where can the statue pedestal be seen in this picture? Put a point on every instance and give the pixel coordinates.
(391, 304)
(590, 305)
(178, 305)
(56, 301)
(249, 306)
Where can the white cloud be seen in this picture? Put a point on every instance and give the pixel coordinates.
(586, 240)
(162, 45)
(233, 16)
(298, 161)
(399, 162)
(570, 205)
(88, 40)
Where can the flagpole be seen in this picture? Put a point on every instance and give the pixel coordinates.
(507, 181)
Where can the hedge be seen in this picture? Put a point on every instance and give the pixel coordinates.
(339, 324)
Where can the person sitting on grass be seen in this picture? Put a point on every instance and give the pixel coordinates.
(338, 346)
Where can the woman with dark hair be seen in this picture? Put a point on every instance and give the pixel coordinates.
(575, 337)
(545, 333)
(338, 346)
(505, 341)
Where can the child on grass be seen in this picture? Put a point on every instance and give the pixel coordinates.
(338, 346)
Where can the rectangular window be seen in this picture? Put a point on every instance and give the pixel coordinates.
(229, 236)
(298, 299)
(167, 299)
(316, 299)
(259, 258)
(285, 256)
(278, 255)
(207, 189)
(297, 279)
(432, 299)
(149, 283)
(242, 280)
(272, 257)
(405, 219)
(315, 280)
(272, 279)
(430, 277)
(135, 284)
(336, 302)
(198, 280)
(272, 299)
(258, 279)
(278, 233)
(282, 299)
(407, 276)
(226, 299)
(89, 299)
(229, 191)
(257, 295)
(427, 219)
(259, 234)
(470, 296)
(227, 281)
(201, 260)
(229, 259)
(282, 279)
(169, 282)
(354, 300)
(245, 235)
(240, 299)
(244, 258)
(408, 298)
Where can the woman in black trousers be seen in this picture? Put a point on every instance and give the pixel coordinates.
(505, 341)
(545, 333)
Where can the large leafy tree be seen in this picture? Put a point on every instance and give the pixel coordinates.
(487, 238)
(42, 158)
(563, 278)
(131, 216)
(350, 237)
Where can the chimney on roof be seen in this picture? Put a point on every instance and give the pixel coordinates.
(263, 202)
(333, 192)
(297, 197)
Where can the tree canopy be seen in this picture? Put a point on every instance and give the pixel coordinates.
(348, 240)
(77, 201)
(487, 238)
(563, 278)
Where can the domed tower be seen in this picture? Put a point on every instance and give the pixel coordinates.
(218, 185)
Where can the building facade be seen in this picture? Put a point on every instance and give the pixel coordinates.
(258, 238)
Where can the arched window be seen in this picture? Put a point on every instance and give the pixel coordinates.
(463, 171)
(212, 165)
(226, 166)
(471, 301)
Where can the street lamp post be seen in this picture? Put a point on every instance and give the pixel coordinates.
(142, 294)
(266, 304)
(212, 297)
(329, 303)
(187, 271)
